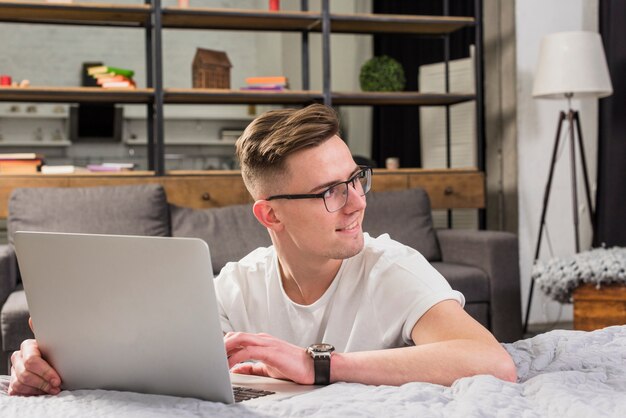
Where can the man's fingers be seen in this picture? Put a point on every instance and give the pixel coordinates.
(34, 363)
(233, 340)
(30, 324)
(25, 378)
(249, 353)
(257, 369)
(239, 356)
(29, 348)
(17, 388)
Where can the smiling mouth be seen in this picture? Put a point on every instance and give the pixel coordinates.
(350, 227)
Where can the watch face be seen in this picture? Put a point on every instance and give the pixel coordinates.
(321, 348)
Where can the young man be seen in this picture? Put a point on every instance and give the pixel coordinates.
(391, 317)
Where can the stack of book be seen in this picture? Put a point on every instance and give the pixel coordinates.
(276, 83)
(91, 168)
(63, 169)
(110, 167)
(20, 163)
(112, 77)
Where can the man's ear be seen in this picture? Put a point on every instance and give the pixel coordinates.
(265, 214)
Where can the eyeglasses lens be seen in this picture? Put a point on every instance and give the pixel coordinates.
(337, 196)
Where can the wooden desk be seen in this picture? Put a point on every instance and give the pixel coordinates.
(599, 308)
(447, 188)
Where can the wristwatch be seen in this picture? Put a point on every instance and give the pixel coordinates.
(321, 362)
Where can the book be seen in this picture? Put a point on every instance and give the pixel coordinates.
(87, 80)
(266, 88)
(110, 167)
(62, 169)
(20, 166)
(282, 80)
(106, 69)
(21, 156)
(103, 75)
(118, 84)
(267, 85)
(111, 78)
(125, 166)
(99, 168)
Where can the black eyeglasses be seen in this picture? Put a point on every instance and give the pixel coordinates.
(336, 196)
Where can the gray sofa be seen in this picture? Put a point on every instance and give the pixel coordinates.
(483, 265)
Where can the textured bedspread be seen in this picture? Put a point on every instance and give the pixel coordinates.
(561, 374)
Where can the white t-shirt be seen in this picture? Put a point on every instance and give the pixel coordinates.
(373, 303)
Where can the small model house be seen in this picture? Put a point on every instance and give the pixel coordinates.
(211, 69)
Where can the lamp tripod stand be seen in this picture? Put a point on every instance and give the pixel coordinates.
(573, 121)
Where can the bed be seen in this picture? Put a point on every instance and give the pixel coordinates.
(562, 373)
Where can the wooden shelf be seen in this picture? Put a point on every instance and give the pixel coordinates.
(262, 20)
(225, 96)
(75, 95)
(399, 98)
(76, 14)
(240, 19)
(42, 144)
(25, 115)
(404, 24)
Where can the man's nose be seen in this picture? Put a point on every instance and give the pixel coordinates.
(356, 200)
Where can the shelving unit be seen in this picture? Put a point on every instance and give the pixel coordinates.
(154, 20)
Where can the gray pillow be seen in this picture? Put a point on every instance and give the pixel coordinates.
(406, 216)
(125, 210)
(231, 231)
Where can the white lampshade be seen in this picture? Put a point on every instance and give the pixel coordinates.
(572, 63)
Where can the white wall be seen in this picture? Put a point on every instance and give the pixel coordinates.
(536, 124)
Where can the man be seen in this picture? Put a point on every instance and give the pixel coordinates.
(391, 316)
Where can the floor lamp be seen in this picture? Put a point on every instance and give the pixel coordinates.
(571, 65)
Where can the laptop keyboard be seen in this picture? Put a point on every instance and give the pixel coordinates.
(245, 394)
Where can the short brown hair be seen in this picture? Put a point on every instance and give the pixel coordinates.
(266, 143)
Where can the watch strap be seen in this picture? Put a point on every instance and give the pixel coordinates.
(321, 364)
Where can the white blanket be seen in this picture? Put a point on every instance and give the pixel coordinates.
(561, 374)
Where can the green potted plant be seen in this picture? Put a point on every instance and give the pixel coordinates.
(382, 73)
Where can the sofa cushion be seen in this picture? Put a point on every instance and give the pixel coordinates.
(127, 210)
(405, 216)
(14, 321)
(231, 231)
(471, 281)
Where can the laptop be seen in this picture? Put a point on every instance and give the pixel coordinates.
(133, 313)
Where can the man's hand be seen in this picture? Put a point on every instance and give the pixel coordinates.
(276, 358)
(31, 374)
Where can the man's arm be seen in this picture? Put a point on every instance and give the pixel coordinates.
(449, 344)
